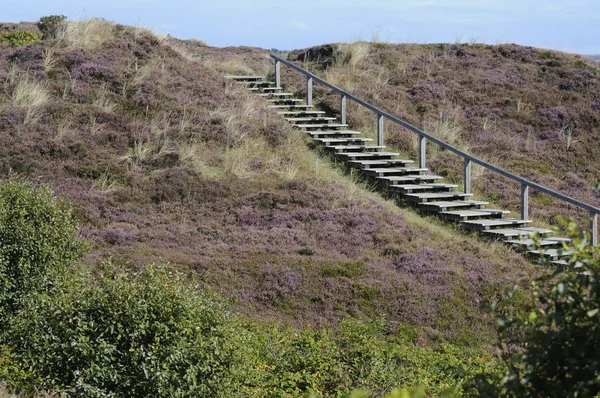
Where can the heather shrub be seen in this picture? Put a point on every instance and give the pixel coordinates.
(37, 241)
(561, 349)
(119, 333)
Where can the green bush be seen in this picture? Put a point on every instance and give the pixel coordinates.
(50, 25)
(121, 334)
(19, 38)
(561, 349)
(37, 241)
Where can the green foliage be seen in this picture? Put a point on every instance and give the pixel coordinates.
(50, 25)
(36, 241)
(123, 334)
(362, 356)
(19, 38)
(561, 355)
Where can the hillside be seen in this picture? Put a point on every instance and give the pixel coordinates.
(165, 162)
(533, 112)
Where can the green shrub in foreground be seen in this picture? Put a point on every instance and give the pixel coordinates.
(37, 241)
(122, 334)
(561, 355)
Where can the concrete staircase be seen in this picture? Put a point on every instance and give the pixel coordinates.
(400, 179)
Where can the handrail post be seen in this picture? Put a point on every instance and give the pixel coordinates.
(422, 151)
(524, 201)
(594, 228)
(379, 129)
(343, 109)
(277, 73)
(467, 175)
(309, 84)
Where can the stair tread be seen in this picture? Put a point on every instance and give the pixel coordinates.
(422, 186)
(410, 177)
(357, 154)
(510, 232)
(295, 106)
(500, 221)
(308, 119)
(314, 126)
(438, 195)
(552, 252)
(263, 88)
(333, 132)
(560, 262)
(343, 139)
(542, 242)
(244, 77)
(301, 112)
(284, 99)
(458, 203)
(381, 162)
(342, 147)
(474, 213)
(396, 169)
(275, 95)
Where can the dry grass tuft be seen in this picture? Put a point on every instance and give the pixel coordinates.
(351, 53)
(90, 34)
(29, 95)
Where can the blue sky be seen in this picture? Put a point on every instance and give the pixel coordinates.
(568, 25)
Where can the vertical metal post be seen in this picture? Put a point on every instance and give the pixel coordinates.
(594, 228)
(422, 151)
(277, 73)
(309, 82)
(524, 202)
(343, 108)
(379, 129)
(467, 175)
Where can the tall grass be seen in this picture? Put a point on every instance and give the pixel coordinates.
(29, 95)
(89, 34)
(351, 53)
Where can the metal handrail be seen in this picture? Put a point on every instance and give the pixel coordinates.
(468, 158)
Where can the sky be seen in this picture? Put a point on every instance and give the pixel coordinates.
(568, 25)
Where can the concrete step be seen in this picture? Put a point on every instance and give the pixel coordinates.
(310, 119)
(426, 197)
(436, 207)
(320, 126)
(508, 233)
(399, 180)
(414, 188)
(464, 215)
(245, 78)
(366, 155)
(346, 140)
(291, 106)
(369, 164)
(300, 113)
(483, 225)
(355, 148)
(395, 171)
(551, 254)
(530, 243)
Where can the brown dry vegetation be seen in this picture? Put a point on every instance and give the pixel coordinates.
(165, 161)
(533, 112)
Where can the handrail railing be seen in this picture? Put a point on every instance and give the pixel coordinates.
(423, 137)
